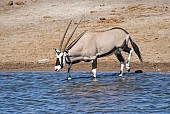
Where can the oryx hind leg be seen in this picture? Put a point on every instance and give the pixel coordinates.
(128, 50)
(122, 62)
(94, 67)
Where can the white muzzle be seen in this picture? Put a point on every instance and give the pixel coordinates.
(57, 68)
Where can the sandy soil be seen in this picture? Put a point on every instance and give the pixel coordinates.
(30, 29)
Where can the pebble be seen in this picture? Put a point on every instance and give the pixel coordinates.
(43, 61)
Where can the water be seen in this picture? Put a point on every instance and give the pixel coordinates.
(50, 92)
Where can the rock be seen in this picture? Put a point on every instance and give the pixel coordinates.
(102, 19)
(102, 5)
(138, 71)
(92, 11)
(20, 3)
(10, 3)
(42, 61)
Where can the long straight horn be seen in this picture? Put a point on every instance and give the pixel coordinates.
(71, 35)
(64, 36)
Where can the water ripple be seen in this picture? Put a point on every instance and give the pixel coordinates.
(50, 92)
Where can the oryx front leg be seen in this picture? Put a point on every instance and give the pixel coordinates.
(68, 72)
(128, 62)
(94, 67)
(121, 60)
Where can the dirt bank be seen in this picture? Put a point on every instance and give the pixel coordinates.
(102, 66)
(30, 29)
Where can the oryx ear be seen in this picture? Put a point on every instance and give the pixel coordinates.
(55, 49)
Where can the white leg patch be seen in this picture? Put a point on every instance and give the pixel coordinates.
(94, 72)
(69, 78)
(121, 69)
(128, 63)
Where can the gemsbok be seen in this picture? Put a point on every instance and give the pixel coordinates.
(90, 45)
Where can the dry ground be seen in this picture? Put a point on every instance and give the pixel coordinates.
(30, 29)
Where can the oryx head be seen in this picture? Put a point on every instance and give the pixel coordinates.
(60, 60)
(61, 54)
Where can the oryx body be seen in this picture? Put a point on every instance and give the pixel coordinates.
(91, 45)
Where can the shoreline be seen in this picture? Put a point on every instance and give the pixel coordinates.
(83, 66)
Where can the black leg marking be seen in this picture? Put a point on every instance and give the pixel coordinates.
(126, 49)
(94, 67)
(120, 57)
(120, 72)
(68, 71)
(94, 64)
(121, 60)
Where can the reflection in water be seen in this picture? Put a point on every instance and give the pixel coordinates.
(49, 92)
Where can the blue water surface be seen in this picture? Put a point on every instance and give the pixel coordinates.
(50, 92)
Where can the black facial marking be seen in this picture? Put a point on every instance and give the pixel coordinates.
(58, 53)
(61, 62)
(57, 62)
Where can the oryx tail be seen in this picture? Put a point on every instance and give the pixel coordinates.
(136, 49)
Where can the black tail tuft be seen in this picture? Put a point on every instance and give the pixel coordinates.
(136, 49)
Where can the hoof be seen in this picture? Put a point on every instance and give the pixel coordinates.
(128, 70)
(121, 75)
(68, 78)
(94, 76)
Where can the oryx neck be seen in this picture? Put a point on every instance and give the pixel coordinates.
(67, 58)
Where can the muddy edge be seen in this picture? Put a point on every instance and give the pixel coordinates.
(102, 66)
